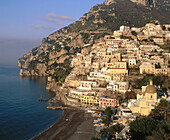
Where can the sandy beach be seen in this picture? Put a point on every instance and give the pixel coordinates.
(74, 125)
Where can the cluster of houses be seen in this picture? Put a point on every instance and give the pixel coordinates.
(106, 68)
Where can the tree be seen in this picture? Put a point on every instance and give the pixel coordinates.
(161, 132)
(111, 131)
(161, 111)
(154, 126)
(103, 132)
(108, 113)
(122, 99)
(130, 95)
(134, 33)
(142, 127)
(115, 128)
(163, 28)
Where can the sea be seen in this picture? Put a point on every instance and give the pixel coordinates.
(22, 116)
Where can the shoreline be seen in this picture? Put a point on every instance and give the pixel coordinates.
(34, 137)
(69, 126)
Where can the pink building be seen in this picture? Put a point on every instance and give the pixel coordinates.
(105, 101)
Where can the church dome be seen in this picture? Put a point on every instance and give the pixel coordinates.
(151, 88)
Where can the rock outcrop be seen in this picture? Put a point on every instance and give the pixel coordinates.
(55, 53)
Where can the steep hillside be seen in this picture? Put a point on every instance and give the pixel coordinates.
(104, 17)
(54, 54)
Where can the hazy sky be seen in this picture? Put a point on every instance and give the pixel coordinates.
(23, 23)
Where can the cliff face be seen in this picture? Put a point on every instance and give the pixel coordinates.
(55, 53)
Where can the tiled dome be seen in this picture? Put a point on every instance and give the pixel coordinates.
(151, 88)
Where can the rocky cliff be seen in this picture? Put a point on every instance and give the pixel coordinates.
(53, 56)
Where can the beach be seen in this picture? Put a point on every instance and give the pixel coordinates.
(74, 125)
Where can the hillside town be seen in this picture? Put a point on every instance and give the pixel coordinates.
(106, 75)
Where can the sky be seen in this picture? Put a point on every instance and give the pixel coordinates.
(23, 23)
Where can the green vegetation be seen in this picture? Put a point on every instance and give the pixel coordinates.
(96, 7)
(161, 111)
(60, 74)
(62, 70)
(85, 37)
(154, 126)
(34, 51)
(137, 16)
(163, 28)
(99, 35)
(142, 127)
(111, 131)
(67, 48)
(76, 50)
(65, 65)
(157, 80)
(130, 95)
(46, 40)
(108, 113)
(126, 37)
(121, 99)
(33, 65)
(166, 46)
(134, 33)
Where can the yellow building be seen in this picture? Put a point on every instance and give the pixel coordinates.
(101, 53)
(146, 101)
(118, 77)
(117, 71)
(163, 70)
(120, 64)
(147, 67)
(108, 56)
(72, 83)
(89, 100)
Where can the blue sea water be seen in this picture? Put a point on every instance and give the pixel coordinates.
(21, 115)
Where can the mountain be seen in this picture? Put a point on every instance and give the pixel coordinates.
(109, 16)
(54, 54)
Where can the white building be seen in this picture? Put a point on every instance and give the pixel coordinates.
(99, 76)
(87, 83)
(104, 69)
(149, 48)
(118, 86)
(132, 61)
(124, 28)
